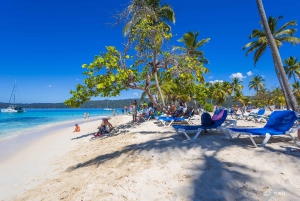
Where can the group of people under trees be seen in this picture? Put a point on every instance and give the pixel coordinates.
(148, 109)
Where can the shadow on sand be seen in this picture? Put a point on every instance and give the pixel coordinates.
(227, 180)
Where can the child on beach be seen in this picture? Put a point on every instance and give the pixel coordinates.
(77, 128)
(105, 127)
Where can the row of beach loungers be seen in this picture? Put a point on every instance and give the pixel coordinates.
(283, 122)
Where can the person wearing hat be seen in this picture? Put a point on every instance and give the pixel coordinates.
(105, 127)
(144, 113)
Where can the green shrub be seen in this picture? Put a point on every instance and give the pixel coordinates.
(208, 107)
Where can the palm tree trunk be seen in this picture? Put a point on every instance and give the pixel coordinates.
(281, 84)
(289, 97)
(156, 79)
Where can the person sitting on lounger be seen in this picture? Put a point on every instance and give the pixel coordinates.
(105, 127)
(77, 128)
(145, 112)
(171, 108)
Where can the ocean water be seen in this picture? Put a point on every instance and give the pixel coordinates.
(12, 124)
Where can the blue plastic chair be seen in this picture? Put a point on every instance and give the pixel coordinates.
(185, 129)
(279, 123)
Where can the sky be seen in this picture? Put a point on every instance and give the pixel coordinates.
(43, 44)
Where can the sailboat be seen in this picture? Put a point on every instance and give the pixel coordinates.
(12, 108)
(108, 108)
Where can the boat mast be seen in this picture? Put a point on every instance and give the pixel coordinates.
(13, 93)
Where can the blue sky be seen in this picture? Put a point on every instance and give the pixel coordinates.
(44, 43)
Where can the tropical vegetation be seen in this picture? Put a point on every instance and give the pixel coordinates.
(171, 74)
(270, 38)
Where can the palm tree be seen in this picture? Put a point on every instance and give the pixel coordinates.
(292, 68)
(219, 93)
(155, 12)
(236, 85)
(290, 99)
(239, 96)
(257, 83)
(191, 44)
(280, 35)
(144, 9)
(296, 91)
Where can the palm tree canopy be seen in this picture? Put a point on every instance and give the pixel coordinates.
(292, 67)
(282, 34)
(141, 9)
(236, 85)
(257, 83)
(191, 45)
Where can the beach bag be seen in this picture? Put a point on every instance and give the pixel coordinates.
(206, 119)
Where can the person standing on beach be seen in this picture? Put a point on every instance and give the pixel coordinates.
(77, 128)
(134, 111)
(84, 115)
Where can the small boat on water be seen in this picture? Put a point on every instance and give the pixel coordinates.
(107, 107)
(13, 108)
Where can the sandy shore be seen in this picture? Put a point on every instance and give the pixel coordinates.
(149, 162)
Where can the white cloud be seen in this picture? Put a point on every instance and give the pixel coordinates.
(215, 81)
(249, 73)
(49, 86)
(210, 77)
(238, 75)
(135, 94)
(77, 79)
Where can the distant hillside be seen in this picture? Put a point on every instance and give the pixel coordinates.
(97, 104)
(91, 104)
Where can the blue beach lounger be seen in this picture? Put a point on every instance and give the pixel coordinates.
(185, 129)
(164, 120)
(279, 123)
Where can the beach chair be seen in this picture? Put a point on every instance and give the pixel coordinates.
(171, 120)
(260, 116)
(279, 123)
(187, 129)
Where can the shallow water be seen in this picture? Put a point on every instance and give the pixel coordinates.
(12, 124)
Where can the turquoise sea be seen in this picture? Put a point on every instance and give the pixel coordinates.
(12, 124)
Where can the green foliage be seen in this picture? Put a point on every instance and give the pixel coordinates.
(280, 34)
(105, 77)
(150, 70)
(208, 107)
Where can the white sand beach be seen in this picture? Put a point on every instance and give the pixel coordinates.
(150, 162)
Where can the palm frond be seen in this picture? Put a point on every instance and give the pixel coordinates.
(290, 23)
(257, 34)
(291, 39)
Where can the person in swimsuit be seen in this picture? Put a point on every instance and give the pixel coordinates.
(77, 128)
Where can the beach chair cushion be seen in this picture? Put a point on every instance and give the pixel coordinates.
(217, 115)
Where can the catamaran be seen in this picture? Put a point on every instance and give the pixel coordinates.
(12, 108)
(107, 107)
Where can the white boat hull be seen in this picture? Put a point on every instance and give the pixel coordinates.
(12, 110)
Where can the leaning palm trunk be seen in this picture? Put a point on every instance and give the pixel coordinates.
(289, 97)
(281, 84)
(156, 79)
